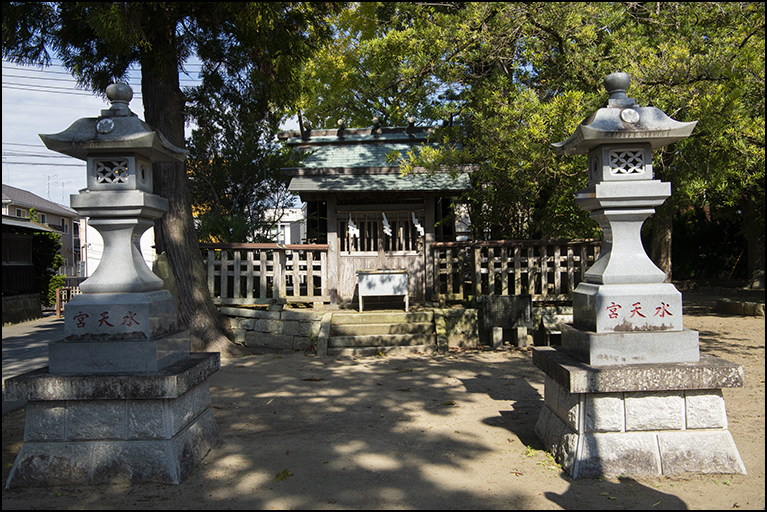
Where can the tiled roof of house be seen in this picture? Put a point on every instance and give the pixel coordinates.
(27, 199)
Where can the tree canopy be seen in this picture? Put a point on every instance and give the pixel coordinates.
(250, 53)
(508, 79)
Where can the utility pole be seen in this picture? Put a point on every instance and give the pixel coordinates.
(49, 176)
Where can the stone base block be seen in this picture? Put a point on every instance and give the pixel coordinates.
(653, 307)
(113, 356)
(149, 427)
(638, 421)
(639, 347)
(167, 461)
(638, 454)
(120, 316)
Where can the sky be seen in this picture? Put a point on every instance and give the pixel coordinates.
(48, 101)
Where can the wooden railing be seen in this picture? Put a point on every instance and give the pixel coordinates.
(266, 273)
(549, 270)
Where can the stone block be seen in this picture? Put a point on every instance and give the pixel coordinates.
(95, 419)
(567, 452)
(117, 356)
(295, 328)
(119, 316)
(507, 311)
(249, 313)
(565, 404)
(49, 464)
(578, 377)
(194, 442)
(461, 327)
(497, 337)
(188, 406)
(301, 315)
(171, 382)
(260, 339)
(640, 347)
(657, 410)
(604, 412)
(141, 461)
(238, 336)
(45, 421)
(699, 451)
(614, 454)
(542, 426)
(247, 324)
(146, 419)
(705, 409)
(655, 307)
(268, 325)
(519, 337)
(301, 342)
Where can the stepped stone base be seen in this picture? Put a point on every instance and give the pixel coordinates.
(637, 420)
(96, 429)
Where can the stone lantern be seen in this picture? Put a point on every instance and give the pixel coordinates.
(624, 291)
(122, 398)
(628, 392)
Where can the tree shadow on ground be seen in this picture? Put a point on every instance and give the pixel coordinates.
(626, 493)
(361, 433)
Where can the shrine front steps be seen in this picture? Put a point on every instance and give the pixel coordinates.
(384, 332)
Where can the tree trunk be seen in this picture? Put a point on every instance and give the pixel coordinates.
(662, 222)
(753, 230)
(174, 232)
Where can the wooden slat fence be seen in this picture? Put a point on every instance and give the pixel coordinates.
(549, 270)
(240, 274)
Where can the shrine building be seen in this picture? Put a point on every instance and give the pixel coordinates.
(371, 217)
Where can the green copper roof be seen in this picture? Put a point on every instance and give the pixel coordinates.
(357, 155)
(380, 182)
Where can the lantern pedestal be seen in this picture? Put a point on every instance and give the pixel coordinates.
(113, 428)
(637, 420)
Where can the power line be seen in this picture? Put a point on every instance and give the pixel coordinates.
(72, 93)
(43, 163)
(34, 155)
(20, 144)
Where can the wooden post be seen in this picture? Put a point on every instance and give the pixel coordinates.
(429, 238)
(332, 263)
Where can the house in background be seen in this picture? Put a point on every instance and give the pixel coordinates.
(64, 220)
(370, 216)
(21, 301)
(289, 228)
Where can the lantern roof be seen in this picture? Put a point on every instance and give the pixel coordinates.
(623, 121)
(117, 129)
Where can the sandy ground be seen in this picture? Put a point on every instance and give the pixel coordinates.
(417, 432)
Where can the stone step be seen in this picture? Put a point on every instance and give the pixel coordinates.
(371, 329)
(389, 351)
(383, 317)
(382, 340)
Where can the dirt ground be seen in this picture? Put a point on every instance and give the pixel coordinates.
(453, 431)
